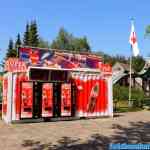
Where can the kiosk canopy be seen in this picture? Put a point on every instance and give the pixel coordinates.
(57, 59)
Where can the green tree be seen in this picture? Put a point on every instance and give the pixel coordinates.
(138, 63)
(62, 40)
(43, 43)
(81, 44)
(85, 45)
(121, 93)
(26, 36)
(54, 45)
(11, 51)
(67, 41)
(112, 59)
(18, 41)
(33, 34)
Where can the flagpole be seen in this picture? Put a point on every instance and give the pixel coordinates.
(130, 73)
(130, 79)
(135, 51)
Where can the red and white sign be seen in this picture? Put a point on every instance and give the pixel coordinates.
(47, 100)
(93, 98)
(66, 99)
(34, 57)
(15, 65)
(105, 68)
(26, 100)
(103, 95)
(5, 90)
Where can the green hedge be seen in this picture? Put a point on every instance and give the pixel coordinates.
(121, 93)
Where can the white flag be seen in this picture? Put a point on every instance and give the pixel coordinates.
(133, 41)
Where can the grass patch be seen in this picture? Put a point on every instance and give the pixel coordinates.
(122, 106)
(122, 103)
(126, 109)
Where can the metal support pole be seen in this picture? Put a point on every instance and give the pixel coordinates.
(130, 81)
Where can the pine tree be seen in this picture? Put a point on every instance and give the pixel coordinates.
(26, 36)
(18, 41)
(33, 35)
(11, 52)
(10, 44)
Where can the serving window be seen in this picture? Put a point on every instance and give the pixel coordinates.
(48, 75)
(39, 74)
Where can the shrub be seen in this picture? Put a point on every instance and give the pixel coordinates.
(121, 93)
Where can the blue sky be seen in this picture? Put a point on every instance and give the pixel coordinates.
(106, 23)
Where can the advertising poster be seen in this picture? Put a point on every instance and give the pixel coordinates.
(26, 100)
(83, 94)
(47, 100)
(56, 59)
(103, 95)
(81, 97)
(5, 90)
(89, 87)
(93, 97)
(105, 104)
(17, 79)
(15, 65)
(66, 99)
(76, 81)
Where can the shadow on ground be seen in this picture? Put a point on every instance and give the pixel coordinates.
(136, 133)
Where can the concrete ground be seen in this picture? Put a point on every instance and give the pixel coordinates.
(96, 134)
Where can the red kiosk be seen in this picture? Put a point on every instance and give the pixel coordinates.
(47, 84)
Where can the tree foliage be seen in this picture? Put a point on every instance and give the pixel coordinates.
(43, 43)
(121, 93)
(81, 44)
(18, 41)
(62, 41)
(33, 35)
(67, 41)
(26, 36)
(112, 59)
(138, 63)
(11, 51)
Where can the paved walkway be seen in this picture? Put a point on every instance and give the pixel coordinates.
(96, 134)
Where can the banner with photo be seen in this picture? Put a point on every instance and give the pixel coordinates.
(55, 59)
